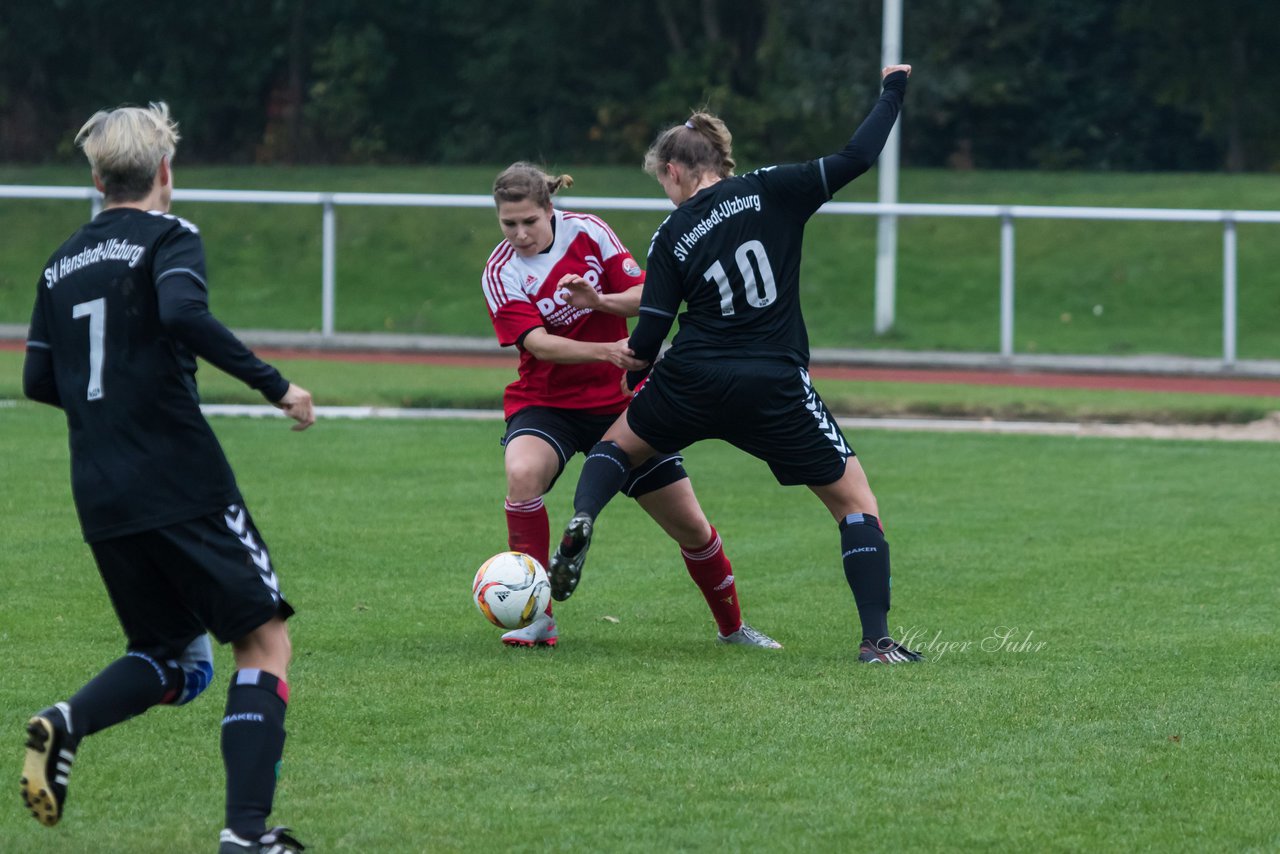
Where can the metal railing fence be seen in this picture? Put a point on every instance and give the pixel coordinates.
(1006, 214)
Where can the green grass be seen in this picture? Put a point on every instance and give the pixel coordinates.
(1158, 286)
(1146, 570)
(365, 384)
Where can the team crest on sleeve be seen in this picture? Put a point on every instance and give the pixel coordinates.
(631, 268)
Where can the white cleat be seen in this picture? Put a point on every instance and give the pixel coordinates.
(541, 632)
(747, 636)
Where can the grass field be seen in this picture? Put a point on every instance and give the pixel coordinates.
(1129, 705)
(1156, 287)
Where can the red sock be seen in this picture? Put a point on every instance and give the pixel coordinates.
(710, 569)
(529, 530)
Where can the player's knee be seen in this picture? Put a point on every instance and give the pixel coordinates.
(196, 664)
(185, 673)
(285, 647)
(526, 479)
(692, 533)
(265, 648)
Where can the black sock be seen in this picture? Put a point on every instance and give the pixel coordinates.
(866, 567)
(252, 744)
(603, 474)
(127, 687)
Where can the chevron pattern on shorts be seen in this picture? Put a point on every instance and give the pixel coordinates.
(238, 521)
(825, 422)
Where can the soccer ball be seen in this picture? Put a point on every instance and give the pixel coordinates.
(511, 589)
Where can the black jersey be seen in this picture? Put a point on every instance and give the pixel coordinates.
(732, 252)
(142, 454)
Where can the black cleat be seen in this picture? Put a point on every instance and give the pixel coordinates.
(566, 563)
(44, 775)
(277, 840)
(886, 651)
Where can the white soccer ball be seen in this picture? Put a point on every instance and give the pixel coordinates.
(511, 589)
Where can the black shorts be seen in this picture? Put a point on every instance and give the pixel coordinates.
(569, 432)
(767, 408)
(169, 585)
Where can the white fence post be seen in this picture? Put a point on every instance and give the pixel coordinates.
(327, 263)
(887, 167)
(1228, 292)
(1006, 285)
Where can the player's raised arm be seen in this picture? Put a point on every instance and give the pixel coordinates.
(860, 153)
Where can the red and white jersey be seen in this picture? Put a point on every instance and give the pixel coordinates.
(521, 293)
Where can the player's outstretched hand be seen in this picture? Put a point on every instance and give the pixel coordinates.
(889, 69)
(620, 355)
(577, 292)
(296, 403)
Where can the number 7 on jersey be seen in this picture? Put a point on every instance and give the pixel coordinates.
(96, 311)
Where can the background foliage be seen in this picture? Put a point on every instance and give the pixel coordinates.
(1100, 84)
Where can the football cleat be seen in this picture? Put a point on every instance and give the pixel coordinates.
(747, 636)
(541, 632)
(49, 758)
(566, 563)
(277, 840)
(886, 651)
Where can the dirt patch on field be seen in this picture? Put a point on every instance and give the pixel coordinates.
(1263, 430)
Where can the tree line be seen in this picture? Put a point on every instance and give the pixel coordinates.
(1015, 84)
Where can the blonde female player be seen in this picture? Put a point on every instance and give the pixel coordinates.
(738, 369)
(558, 288)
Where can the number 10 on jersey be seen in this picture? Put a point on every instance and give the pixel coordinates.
(757, 292)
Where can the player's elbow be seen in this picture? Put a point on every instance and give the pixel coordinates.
(184, 322)
(43, 391)
(858, 161)
(175, 322)
(540, 344)
(38, 383)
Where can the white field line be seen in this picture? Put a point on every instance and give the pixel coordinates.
(387, 413)
(1267, 430)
